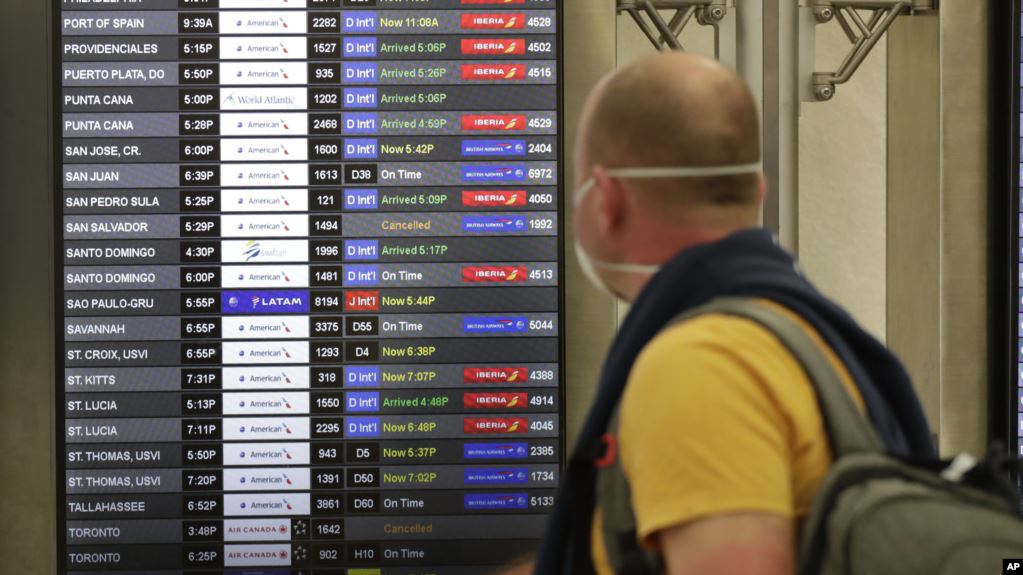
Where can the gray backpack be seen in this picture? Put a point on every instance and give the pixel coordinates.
(874, 514)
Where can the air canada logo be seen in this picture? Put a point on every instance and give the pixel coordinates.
(493, 21)
(477, 425)
(512, 400)
(494, 46)
(493, 122)
(495, 274)
(495, 375)
(493, 71)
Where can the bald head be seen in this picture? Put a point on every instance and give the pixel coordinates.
(674, 109)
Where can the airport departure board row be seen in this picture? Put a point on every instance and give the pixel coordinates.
(309, 284)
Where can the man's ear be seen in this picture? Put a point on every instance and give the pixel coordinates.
(609, 198)
(762, 189)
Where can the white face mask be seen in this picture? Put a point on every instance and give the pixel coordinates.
(589, 264)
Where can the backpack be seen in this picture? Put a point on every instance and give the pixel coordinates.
(874, 513)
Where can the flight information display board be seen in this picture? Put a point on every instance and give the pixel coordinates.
(309, 284)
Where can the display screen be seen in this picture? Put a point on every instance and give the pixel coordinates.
(308, 284)
(1016, 88)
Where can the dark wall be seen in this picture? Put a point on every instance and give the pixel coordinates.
(26, 421)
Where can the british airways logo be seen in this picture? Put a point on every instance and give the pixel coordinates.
(493, 173)
(287, 301)
(515, 475)
(493, 148)
(492, 501)
(495, 325)
(495, 450)
(494, 224)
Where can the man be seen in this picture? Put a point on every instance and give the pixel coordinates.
(718, 432)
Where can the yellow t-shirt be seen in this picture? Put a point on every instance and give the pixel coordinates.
(718, 417)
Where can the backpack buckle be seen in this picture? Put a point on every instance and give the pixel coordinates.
(610, 443)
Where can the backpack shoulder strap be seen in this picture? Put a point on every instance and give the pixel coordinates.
(848, 430)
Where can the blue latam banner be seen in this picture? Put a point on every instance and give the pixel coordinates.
(479, 324)
(360, 72)
(361, 276)
(359, 47)
(498, 476)
(360, 123)
(495, 450)
(285, 301)
(360, 97)
(362, 376)
(493, 147)
(495, 501)
(483, 224)
(362, 199)
(362, 427)
(360, 148)
(359, 21)
(493, 173)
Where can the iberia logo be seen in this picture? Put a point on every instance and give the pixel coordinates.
(494, 198)
(495, 425)
(476, 122)
(494, 274)
(493, 21)
(493, 71)
(494, 46)
(495, 400)
(495, 374)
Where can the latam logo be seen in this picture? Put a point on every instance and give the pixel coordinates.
(492, 501)
(493, 122)
(477, 324)
(493, 21)
(494, 198)
(495, 375)
(493, 173)
(512, 400)
(362, 301)
(495, 450)
(493, 224)
(494, 274)
(476, 425)
(493, 148)
(493, 71)
(265, 302)
(514, 475)
(494, 46)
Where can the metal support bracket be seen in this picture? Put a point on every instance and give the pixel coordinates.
(863, 33)
(666, 35)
